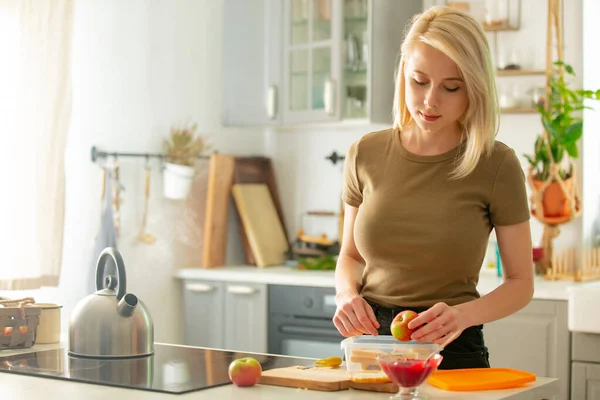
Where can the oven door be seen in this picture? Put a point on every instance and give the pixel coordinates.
(313, 338)
(300, 322)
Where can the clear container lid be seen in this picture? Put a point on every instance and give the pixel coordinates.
(381, 341)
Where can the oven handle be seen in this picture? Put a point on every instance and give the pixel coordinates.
(307, 330)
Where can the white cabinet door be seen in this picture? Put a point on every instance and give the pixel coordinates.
(311, 60)
(585, 381)
(246, 317)
(203, 308)
(387, 22)
(273, 62)
(251, 56)
(535, 339)
(430, 3)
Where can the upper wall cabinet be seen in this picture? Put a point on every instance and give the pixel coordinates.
(252, 62)
(305, 61)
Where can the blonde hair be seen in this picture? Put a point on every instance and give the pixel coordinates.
(462, 39)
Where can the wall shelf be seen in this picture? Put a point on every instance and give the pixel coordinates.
(519, 72)
(500, 28)
(519, 110)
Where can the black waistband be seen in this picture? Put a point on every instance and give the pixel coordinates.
(391, 312)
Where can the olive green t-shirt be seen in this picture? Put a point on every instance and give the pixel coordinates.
(423, 235)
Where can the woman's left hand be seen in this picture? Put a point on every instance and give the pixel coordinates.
(438, 324)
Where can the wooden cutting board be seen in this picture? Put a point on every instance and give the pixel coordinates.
(320, 378)
(220, 178)
(256, 170)
(261, 222)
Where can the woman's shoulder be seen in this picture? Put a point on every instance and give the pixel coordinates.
(501, 151)
(502, 157)
(373, 142)
(500, 147)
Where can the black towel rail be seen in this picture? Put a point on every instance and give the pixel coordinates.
(98, 154)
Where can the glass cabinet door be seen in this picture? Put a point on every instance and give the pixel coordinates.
(355, 63)
(310, 53)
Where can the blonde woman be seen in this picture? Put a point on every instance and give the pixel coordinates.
(422, 198)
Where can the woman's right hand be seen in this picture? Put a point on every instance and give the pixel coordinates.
(354, 316)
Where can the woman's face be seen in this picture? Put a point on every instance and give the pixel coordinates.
(435, 93)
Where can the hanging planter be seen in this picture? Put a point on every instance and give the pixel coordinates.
(177, 181)
(555, 193)
(181, 151)
(554, 201)
(555, 196)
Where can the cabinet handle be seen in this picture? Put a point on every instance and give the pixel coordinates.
(240, 290)
(329, 97)
(272, 101)
(199, 287)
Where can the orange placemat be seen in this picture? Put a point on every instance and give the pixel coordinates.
(480, 379)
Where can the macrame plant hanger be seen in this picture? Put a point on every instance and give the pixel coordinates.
(571, 193)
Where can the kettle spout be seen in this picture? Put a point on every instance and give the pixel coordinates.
(127, 304)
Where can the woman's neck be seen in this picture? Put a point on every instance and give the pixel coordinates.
(426, 143)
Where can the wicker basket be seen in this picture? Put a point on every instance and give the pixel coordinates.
(18, 324)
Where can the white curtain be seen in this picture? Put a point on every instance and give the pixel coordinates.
(35, 107)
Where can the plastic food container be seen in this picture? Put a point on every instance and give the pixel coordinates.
(361, 355)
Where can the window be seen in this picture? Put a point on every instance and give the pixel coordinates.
(35, 103)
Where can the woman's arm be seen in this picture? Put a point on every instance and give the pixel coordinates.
(514, 242)
(513, 294)
(353, 316)
(350, 264)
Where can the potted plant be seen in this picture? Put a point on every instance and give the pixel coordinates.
(181, 149)
(562, 121)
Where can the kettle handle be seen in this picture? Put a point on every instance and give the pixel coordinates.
(111, 252)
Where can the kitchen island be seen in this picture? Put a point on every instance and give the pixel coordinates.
(542, 345)
(25, 387)
(20, 386)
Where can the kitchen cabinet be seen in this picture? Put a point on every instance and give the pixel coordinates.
(252, 57)
(246, 317)
(229, 315)
(203, 309)
(585, 369)
(305, 61)
(585, 381)
(535, 339)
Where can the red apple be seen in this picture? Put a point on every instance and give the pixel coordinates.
(399, 326)
(245, 371)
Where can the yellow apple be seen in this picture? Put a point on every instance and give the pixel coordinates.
(399, 326)
(245, 371)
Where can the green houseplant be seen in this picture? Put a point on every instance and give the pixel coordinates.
(183, 146)
(563, 122)
(180, 151)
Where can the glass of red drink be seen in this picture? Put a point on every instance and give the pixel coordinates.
(408, 372)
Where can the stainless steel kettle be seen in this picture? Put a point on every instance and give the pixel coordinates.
(111, 323)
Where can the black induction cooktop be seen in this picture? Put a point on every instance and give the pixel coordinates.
(171, 369)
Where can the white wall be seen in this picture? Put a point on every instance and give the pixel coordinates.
(591, 128)
(309, 182)
(138, 67)
(142, 65)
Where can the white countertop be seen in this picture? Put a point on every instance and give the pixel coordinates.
(27, 387)
(269, 275)
(544, 289)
